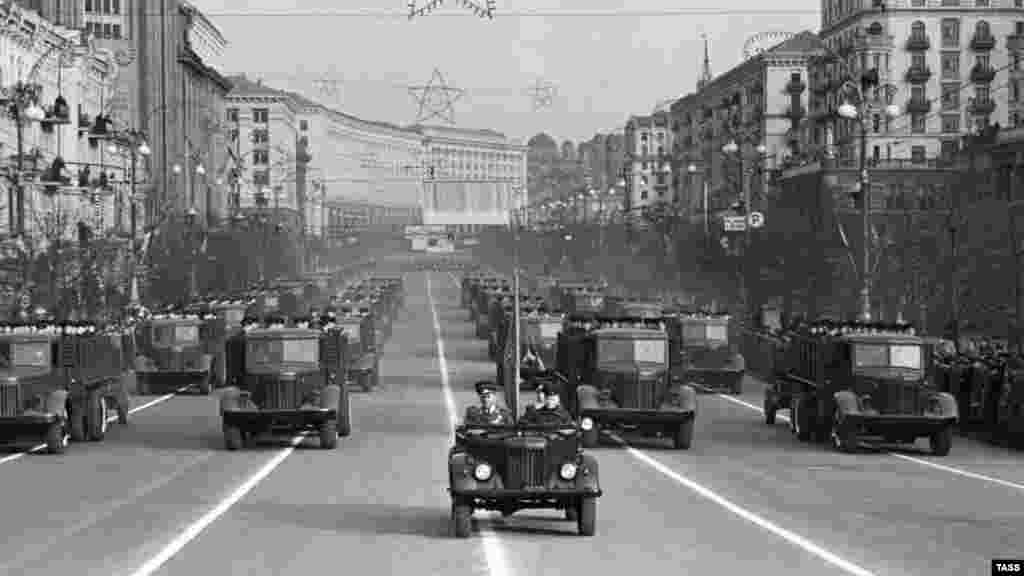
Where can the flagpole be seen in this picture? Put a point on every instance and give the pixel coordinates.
(515, 303)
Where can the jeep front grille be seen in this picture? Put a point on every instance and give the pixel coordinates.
(10, 399)
(525, 468)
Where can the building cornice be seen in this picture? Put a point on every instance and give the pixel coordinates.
(191, 60)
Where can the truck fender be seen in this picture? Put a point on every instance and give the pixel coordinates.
(57, 403)
(588, 476)
(846, 402)
(230, 399)
(460, 472)
(947, 405)
(687, 396)
(205, 362)
(331, 397)
(586, 396)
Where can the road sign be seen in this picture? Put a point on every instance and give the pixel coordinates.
(734, 223)
(756, 219)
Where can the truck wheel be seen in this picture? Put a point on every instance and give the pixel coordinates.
(572, 512)
(461, 520)
(683, 437)
(769, 409)
(942, 441)
(329, 435)
(97, 416)
(344, 414)
(844, 436)
(587, 520)
(591, 438)
(206, 383)
(232, 437)
(76, 420)
(737, 386)
(56, 439)
(802, 419)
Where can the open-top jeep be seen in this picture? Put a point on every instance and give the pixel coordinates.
(58, 383)
(702, 353)
(363, 366)
(172, 357)
(619, 368)
(855, 383)
(518, 467)
(285, 380)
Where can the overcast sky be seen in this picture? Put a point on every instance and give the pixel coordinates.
(604, 67)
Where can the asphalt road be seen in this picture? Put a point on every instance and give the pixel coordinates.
(161, 496)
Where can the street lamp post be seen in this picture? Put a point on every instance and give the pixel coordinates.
(135, 141)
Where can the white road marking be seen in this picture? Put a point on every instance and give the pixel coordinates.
(139, 408)
(752, 517)
(920, 461)
(494, 554)
(196, 528)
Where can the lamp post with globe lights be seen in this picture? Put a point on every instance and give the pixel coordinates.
(135, 142)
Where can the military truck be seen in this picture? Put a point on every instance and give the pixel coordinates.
(60, 382)
(363, 362)
(633, 307)
(860, 382)
(171, 357)
(285, 380)
(578, 297)
(703, 353)
(618, 372)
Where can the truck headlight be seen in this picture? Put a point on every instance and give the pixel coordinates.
(587, 424)
(482, 472)
(568, 471)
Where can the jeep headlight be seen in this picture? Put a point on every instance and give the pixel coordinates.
(568, 471)
(587, 424)
(482, 472)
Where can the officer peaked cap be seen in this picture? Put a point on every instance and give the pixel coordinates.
(550, 387)
(485, 386)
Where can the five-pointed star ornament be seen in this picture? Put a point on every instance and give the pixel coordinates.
(436, 100)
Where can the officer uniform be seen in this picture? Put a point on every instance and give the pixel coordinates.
(481, 416)
(544, 415)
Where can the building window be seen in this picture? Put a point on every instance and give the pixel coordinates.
(261, 178)
(260, 136)
(643, 194)
(949, 149)
(106, 6)
(107, 32)
(260, 115)
(1014, 90)
(115, 6)
(917, 3)
(115, 31)
(917, 154)
(260, 157)
(303, 125)
(981, 93)
(950, 32)
(951, 65)
(950, 2)
(918, 123)
(232, 114)
(951, 124)
(88, 6)
(981, 3)
(950, 96)
(1014, 119)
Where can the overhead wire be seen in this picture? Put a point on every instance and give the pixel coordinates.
(444, 11)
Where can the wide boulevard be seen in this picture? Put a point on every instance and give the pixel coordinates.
(162, 496)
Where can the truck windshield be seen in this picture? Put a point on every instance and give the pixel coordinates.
(186, 334)
(887, 356)
(631, 351)
(304, 351)
(30, 354)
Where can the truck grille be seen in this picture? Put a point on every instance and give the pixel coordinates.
(636, 393)
(10, 399)
(525, 468)
(896, 397)
(277, 394)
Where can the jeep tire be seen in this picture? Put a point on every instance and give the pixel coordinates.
(586, 520)
(232, 437)
(329, 435)
(462, 517)
(683, 436)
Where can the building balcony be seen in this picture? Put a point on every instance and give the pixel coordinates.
(918, 43)
(918, 74)
(873, 42)
(1015, 42)
(981, 107)
(918, 106)
(983, 42)
(982, 74)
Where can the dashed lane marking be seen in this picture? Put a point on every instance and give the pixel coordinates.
(920, 461)
(494, 553)
(139, 408)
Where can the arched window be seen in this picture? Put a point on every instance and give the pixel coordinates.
(917, 29)
(981, 29)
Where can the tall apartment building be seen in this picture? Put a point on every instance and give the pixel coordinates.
(648, 170)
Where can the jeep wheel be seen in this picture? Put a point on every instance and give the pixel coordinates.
(56, 438)
(329, 435)
(462, 516)
(232, 437)
(769, 410)
(97, 416)
(844, 436)
(76, 421)
(683, 436)
(942, 441)
(344, 414)
(586, 522)
(591, 438)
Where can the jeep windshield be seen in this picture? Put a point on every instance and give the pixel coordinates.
(704, 334)
(620, 351)
(290, 351)
(871, 356)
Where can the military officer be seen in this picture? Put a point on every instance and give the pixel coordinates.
(488, 412)
(551, 411)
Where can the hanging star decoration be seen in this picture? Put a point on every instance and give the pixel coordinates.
(542, 94)
(483, 11)
(436, 100)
